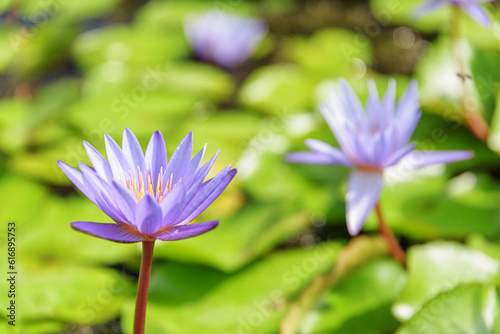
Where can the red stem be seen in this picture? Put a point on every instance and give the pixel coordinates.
(394, 247)
(143, 287)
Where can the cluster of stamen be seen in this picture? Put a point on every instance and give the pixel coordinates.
(139, 190)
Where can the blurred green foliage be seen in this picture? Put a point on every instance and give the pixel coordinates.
(72, 71)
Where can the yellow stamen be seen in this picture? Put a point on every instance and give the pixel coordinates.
(150, 185)
(141, 187)
(158, 186)
(133, 186)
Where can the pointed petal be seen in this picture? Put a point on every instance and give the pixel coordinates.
(148, 215)
(198, 179)
(324, 148)
(363, 192)
(426, 8)
(172, 205)
(114, 232)
(312, 158)
(407, 127)
(202, 173)
(125, 201)
(185, 231)
(417, 158)
(76, 177)
(477, 13)
(156, 155)
(133, 152)
(207, 193)
(103, 194)
(350, 101)
(194, 165)
(100, 164)
(399, 154)
(389, 100)
(408, 102)
(180, 159)
(372, 104)
(333, 118)
(117, 161)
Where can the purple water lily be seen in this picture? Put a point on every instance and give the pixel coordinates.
(371, 141)
(147, 197)
(471, 7)
(224, 39)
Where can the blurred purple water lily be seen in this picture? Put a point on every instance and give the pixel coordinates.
(371, 141)
(224, 39)
(471, 7)
(147, 197)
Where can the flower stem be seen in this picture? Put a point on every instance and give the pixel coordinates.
(143, 286)
(394, 247)
(471, 115)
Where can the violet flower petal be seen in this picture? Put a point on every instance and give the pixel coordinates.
(426, 8)
(103, 194)
(117, 161)
(172, 205)
(185, 231)
(114, 232)
(100, 164)
(194, 166)
(207, 193)
(324, 148)
(314, 158)
(156, 156)
(363, 192)
(148, 215)
(133, 152)
(417, 158)
(477, 13)
(180, 159)
(76, 177)
(199, 177)
(399, 154)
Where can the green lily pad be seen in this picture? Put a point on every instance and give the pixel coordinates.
(68, 293)
(438, 267)
(278, 87)
(48, 237)
(479, 242)
(360, 303)
(331, 53)
(16, 193)
(465, 309)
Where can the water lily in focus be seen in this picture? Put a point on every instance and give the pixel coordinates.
(370, 141)
(224, 39)
(147, 197)
(471, 7)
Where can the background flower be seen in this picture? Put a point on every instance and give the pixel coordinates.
(471, 7)
(147, 197)
(222, 38)
(371, 141)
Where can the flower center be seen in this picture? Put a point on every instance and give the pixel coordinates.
(139, 190)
